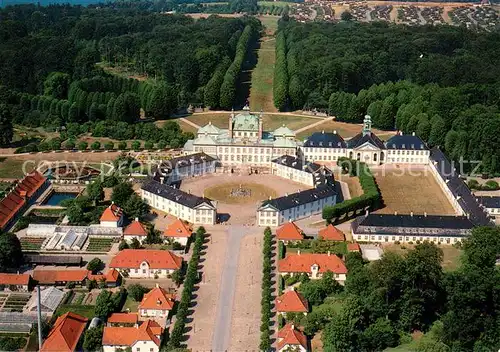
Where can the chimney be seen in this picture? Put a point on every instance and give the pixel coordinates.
(328, 253)
(162, 180)
(290, 220)
(334, 131)
(367, 212)
(425, 214)
(298, 252)
(293, 288)
(286, 194)
(411, 213)
(157, 285)
(158, 302)
(395, 213)
(323, 131)
(413, 133)
(292, 326)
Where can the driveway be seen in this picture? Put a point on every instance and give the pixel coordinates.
(222, 330)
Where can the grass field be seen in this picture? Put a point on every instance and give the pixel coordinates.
(261, 91)
(418, 192)
(13, 168)
(130, 305)
(86, 311)
(271, 122)
(274, 3)
(344, 129)
(222, 193)
(352, 183)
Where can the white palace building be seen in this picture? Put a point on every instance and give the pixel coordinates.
(245, 142)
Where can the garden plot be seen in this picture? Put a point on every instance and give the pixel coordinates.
(381, 13)
(409, 15)
(433, 15)
(15, 302)
(31, 243)
(360, 12)
(99, 244)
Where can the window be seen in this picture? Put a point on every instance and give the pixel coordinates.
(144, 271)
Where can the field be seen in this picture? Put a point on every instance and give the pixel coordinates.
(417, 192)
(271, 122)
(344, 129)
(99, 244)
(12, 168)
(130, 305)
(222, 192)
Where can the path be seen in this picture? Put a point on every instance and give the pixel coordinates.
(222, 328)
(317, 123)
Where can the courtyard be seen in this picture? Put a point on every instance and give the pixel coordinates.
(241, 207)
(411, 189)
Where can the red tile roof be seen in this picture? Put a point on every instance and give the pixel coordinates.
(135, 228)
(301, 263)
(178, 229)
(16, 199)
(289, 335)
(124, 318)
(157, 298)
(292, 301)
(65, 334)
(112, 213)
(110, 277)
(156, 259)
(128, 336)
(353, 247)
(14, 279)
(289, 231)
(47, 277)
(331, 233)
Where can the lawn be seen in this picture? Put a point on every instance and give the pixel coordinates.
(222, 192)
(12, 168)
(270, 122)
(261, 91)
(346, 130)
(270, 22)
(130, 305)
(411, 190)
(86, 311)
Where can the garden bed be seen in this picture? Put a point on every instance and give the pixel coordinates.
(31, 243)
(99, 244)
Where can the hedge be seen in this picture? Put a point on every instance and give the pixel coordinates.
(189, 282)
(369, 200)
(265, 332)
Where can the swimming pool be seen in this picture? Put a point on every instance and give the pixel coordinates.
(57, 197)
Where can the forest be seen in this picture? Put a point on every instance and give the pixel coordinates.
(440, 82)
(49, 76)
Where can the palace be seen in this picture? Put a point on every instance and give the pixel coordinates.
(246, 143)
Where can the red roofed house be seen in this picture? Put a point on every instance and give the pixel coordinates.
(145, 338)
(25, 192)
(291, 339)
(65, 334)
(353, 247)
(146, 263)
(289, 232)
(314, 265)
(112, 278)
(112, 216)
(60, 277)
(179, 231)
(15, 282)
(123, 319)
(331, 233)
(156, 303)
(292, 302)
(135, 230)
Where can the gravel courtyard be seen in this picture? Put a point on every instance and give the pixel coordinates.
(242, 213)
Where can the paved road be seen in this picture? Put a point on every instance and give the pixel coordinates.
(222, 329)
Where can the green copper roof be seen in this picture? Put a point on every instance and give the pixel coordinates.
(246, 122)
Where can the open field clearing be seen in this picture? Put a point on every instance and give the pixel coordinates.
(416, 190)
(344, 129)
(226, 192)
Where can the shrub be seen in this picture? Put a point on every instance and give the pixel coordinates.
(137, 291)
(83, 145)
(265, 337)
(122, 145)
(109, 146)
